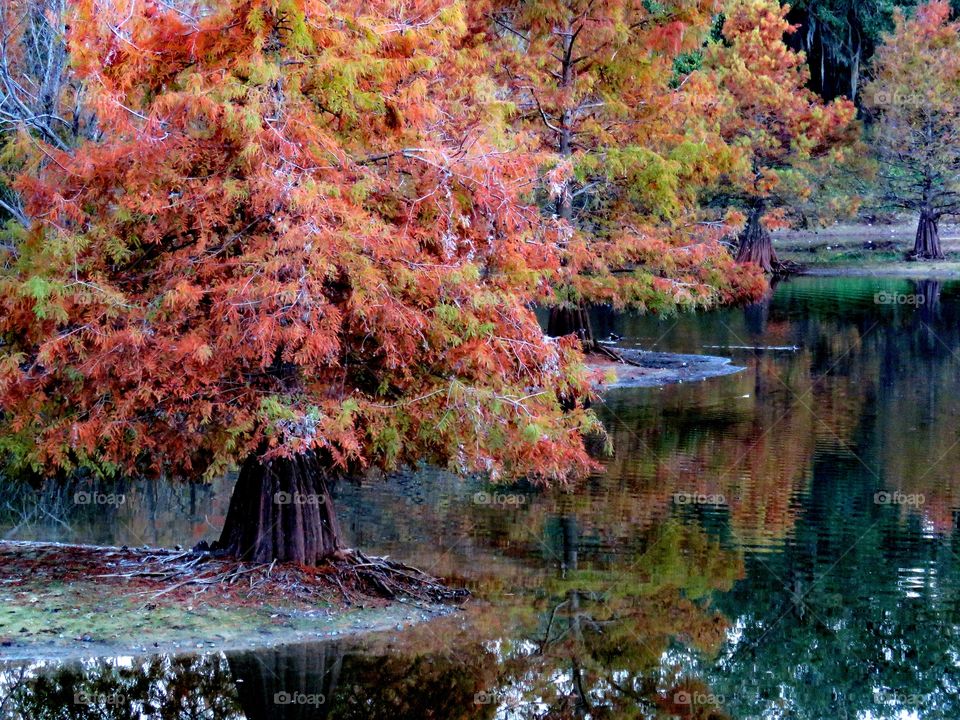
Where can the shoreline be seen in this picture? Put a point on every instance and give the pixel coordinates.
(868, 250)
(63, 602)
(658, 369)
(891, 270)
(362, 624)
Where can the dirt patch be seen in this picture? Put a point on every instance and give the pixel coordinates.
(63, 601)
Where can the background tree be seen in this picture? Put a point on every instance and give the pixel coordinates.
(838, 38)
(294, 249)
(914, 98)
(40, 99)
(600, 105)
(785, 133)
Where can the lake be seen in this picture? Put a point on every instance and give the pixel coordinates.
(780, 543)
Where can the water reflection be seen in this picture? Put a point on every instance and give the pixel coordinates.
(159, 687)
(775, 544)
(139, 512)
(601, 641)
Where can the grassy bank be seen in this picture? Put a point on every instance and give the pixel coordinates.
(65, 601)
(868, 249)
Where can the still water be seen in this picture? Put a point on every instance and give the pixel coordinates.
(775, 544)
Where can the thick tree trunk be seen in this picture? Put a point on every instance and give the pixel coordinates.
(572, 320)
(755, 243)
(283, 511)
(570, 536)
(927, 243)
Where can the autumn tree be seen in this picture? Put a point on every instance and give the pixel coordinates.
(785, 133)
(293, 249)
(914, 98)
(597, 100)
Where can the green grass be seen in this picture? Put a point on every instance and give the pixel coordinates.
(83, 618)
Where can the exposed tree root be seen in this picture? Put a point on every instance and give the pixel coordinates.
(354, 574)
(785, 268)
(611, 353)
(395, 579)
(351, 577)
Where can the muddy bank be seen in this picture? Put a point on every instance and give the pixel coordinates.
(655, 369)
(71, 601)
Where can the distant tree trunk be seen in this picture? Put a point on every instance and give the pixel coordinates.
(927, 243)
(565, 199)
(570, 538)
(855, 66)
(281, 510)
(756, 245)
(572, 320)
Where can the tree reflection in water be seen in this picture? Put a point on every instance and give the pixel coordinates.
(600, 642)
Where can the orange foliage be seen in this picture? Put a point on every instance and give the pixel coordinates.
(294, 236)
(596, 100)
(764, 110)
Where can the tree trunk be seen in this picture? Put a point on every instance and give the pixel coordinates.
(572, 320)
(756, 315)
(565, 200)
(927, 243)
(755, 243)
(283, 511)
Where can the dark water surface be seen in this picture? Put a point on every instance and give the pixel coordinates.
(775, 544)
